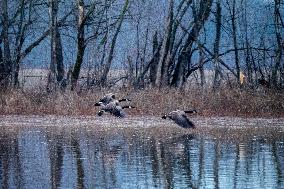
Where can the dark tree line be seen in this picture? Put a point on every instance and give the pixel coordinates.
(187, 39)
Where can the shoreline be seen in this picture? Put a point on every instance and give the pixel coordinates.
(229, 129)
(221, 121)
(131, 115)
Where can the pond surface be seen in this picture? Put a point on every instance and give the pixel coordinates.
(140, 152)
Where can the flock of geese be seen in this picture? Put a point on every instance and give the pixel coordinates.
(109, 104)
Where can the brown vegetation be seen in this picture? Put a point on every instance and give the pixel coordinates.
(233, 102)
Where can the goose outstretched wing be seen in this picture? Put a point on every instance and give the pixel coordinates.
(183, 121)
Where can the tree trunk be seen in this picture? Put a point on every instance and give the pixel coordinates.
(56, 70)
(130, 74)
(235, 42)
(184, 57)
(2, 66)
(19, 43)
(163, 66)
(217, 69)
(6, 65)
(53, 8)
(81, 41)
(103, 79)
(201, 69)
(179, 72)
(279, 50)
(173, 48)
(138, 50)
(154, 65)
(1, 52)
(143, 56)
(248, 54)
(168, 63)
(80, 45)
(59, 57)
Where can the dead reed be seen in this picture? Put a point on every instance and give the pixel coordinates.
(225, 102)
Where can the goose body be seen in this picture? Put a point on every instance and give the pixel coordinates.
(180, 118)
(110, 104)
(114, 108)
(110, 97)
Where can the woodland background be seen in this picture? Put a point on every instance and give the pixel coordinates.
(206, 49)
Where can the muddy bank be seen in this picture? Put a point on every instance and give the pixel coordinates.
(221, 128)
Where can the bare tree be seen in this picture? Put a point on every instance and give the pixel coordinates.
(201, 69)
(56, 70)
(279, 40)
(16, 31)
(161, 79)
(233, 16)
(154, 64)
(170, 46)
(6, 64)
(44, 34)
(80, 43)
(218, 17)
(174, 56)
(1, 56)
(103, 79)
(83, 16)
(21, 22)
(19, 42)
(184, 57)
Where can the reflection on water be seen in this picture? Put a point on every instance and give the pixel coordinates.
(91, 157)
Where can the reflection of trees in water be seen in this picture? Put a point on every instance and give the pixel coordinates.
(10, 162)
(4, 158)
(56, 154)
(79, 162)
(216, 164)
(176, 160)
(154, 154)
(109, 150)
(111, 159)
(15, 157)
(278, 154)
(164, 154)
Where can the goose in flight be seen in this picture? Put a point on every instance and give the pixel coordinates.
(113, 108)
(180, 118)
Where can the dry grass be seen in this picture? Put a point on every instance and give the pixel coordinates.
(221, 103)
(155, 102)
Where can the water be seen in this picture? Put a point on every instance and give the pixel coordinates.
(89, 152)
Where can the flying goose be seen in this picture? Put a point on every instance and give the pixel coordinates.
(180, 118)
(113, 108)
